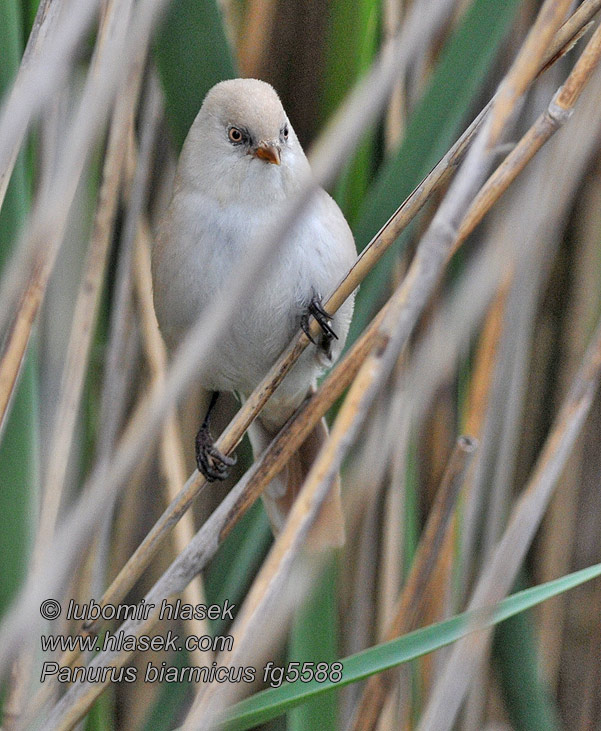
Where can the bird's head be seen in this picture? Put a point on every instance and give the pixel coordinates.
(242, 145)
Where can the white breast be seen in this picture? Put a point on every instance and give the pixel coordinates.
(211, 241)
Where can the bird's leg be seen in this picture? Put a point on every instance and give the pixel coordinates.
(209, 460)
(323, 318)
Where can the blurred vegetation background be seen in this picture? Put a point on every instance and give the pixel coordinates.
(504, 386)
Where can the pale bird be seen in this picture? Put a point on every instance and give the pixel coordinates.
(241, 162)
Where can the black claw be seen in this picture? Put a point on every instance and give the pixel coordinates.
(323, 318)
(306, 328)
(210, 461)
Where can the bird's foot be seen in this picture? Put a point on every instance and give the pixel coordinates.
(323, 318)
(210, 461)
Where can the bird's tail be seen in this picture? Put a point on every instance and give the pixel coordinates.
(328, 529)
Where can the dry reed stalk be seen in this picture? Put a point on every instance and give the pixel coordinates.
(555, 554)
(188, 564)
(414, 594)
(512, 378)
(558, 533)
(37, 253)
(204, 544)
(360, 592)
(239, 499)
(31, 88)
(44, 25)
(268, 583)
(396, 326)
(86, 307)
(81, 337)
(485, 357)
(588, 695)
(123, 334)
(42, 74)
(527, 64)
(391, 549)
(84, 313)
(236, 429)
(254, 40)
(171, 450)
(577, 25)
(439, 430)
(127, 36)
(553, 118)
(394, 558)
(571, 88)
(449, 160)
(498, 577)
(171, 516)
(29, 306)
(232, 435)
(358, 111)
(442, 605)
(392, 11)
(479, 404)
(358, 565)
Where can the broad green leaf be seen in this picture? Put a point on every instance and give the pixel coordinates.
(238, 559)
(350, 49)
(528, 699)
(434, 125)
(314, 635)
(192, 54)
(101, 716)
(270, 703)
(16, 203)
(19, 446)
(171, 698)
(229, 576)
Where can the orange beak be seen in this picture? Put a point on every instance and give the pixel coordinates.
(269, 153)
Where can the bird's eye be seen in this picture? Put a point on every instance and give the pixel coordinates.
(285, 132)
(235, 135)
